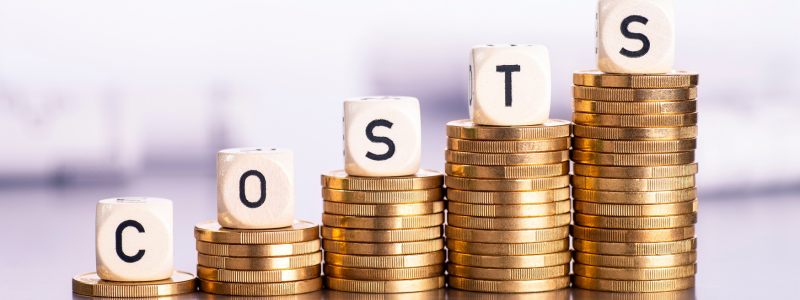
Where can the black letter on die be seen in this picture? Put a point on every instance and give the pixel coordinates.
(243, 196)
(637, 36)
(120, 228)
(380, 139)
(508, 69)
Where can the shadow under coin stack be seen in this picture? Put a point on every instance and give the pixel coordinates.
(635, 200)
(268, 262)
(383, 234)
(508, 207)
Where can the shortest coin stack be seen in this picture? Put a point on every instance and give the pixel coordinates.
(508, 207)
(268, 262)
(383, 234)
(90, 284)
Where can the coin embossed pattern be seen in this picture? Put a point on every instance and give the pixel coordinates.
(508, 209)
(384, 234)
(633, 188)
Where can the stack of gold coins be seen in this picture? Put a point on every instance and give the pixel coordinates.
(383, 234)
(635, 197)
(263, 262)
(508, 211)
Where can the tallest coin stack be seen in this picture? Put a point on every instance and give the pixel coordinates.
(633, 185)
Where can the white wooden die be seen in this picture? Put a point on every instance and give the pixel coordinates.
(134, 239)
(382, 136)
(255, 188)
(635, 36)
(509, 85)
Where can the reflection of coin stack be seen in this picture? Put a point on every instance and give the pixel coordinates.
(383, 234)
(635, 200)
(268, 262)
(508, 207)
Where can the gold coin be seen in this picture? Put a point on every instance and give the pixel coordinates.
(662, 248)
(508, 211)
(506, 236)
(636, 222)
(381, 236)
(258, 250)
(407, 222)
(261, 289)
(465, 129)
(383, 210)
(635, 210)
(509, 223)
(634, 273)
(424, 179)
(633, 286)
(632, 184)
(623, 94)
(561, 294)
(386, 286)
(480, 146)
(507, 172)
(580, 293)
(674, 79)
(507, 185)
(606, 120)
(635, 261)
(384, 274)
(510, 262)
(90, 284)
(636, 172)
(508, 286)
(634, 147)
(632, 235)
(258, 276)
(635, 197)
(508, 249)
(634, 108)
(383, 248)
(212, 232)
(492, 159)
(508, 274)
(385, 261)
(436, 294)
(633, 160)
(624, 133)
(260, 263)
(382, 197)
(528, 197)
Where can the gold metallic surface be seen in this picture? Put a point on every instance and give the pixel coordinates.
(634, 108)
(510, 261)
(508, 223)
(636, 222)
(507, 172)
(506, 236)
(508, 286)
(560, 294)
(383, 248)
(507, 185)
(384, 274)
(635, 197)
(508, 249)
(261, 289)
(388, 286)
(480, 146)
(465, 129)
(406, 222)
(508, 274)
(627, 94)
(635, 172)
(263, 276)
(260, 263)
(381, 236)
(528, 197)
(383, 197)
(632, 184)
(634, 273)
(508, 211)
(607, 120)
(90, 284)
(212, 232)
(632, 160)
(647, 133)
(383, 210)
(424, 179)
(506, 159)
(635, 210)
(633, 286)
(635, 261)
(662, 248)
(674, 79)
(258, 250)
(385, 261)
(634, 147)
(632, 235)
